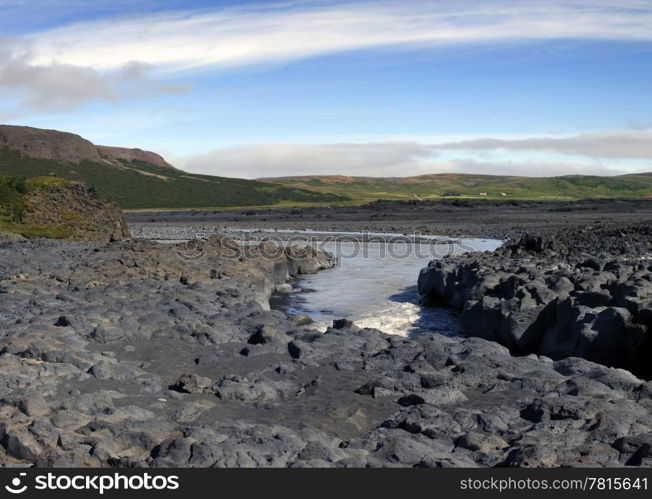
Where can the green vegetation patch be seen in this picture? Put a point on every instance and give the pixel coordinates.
(139, 185)
(14, 207)
(430, 187)
(12, 199)
(35, 231)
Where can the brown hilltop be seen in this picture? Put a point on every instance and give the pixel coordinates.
(64, 147)
(126, 154)
(57, 146)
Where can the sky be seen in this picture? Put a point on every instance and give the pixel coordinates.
(368, 88)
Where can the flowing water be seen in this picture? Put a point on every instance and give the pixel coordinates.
(374, 284)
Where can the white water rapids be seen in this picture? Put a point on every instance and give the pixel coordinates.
(374, 285)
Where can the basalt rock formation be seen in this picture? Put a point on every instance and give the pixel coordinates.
(584, 293)
(137, 354)
(55, 208)
(85, 215)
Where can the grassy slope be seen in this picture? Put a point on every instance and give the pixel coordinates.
(161, 187)
(436, 186)
(144, 186)
(13, 205)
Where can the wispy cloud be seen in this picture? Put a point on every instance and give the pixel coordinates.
(622, 144)
(381, 159)
(280, 32)
(638, 125)
(62, 68)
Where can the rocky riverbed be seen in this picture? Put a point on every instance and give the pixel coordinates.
(584, 293)
(134, 353)
(454, 217)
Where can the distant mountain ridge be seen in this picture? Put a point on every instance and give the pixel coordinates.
(138, 179)
(451, 185)
(135, 178)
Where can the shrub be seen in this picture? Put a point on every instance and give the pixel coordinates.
(21, 186)
(17, 212)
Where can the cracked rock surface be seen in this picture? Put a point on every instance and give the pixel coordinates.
(140, 354)
(584, 293)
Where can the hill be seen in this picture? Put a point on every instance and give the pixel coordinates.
(52, 207)
(446, 185)
(135, 178)
(138, 179)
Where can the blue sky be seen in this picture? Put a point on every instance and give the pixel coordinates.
(359, 88)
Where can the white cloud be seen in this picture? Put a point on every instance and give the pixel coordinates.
(272, 160)
(60, 86)
(65, 67)
(278, 32)
(528, 168)
(621, 144)
(380, 159)
(51, 87)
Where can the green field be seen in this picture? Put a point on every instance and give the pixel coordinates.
(137, 185)
(426, 187)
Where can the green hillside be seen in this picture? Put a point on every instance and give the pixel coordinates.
(136, 185)
(365, 189)
(141, 184)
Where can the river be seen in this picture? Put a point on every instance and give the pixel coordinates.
(374, 285)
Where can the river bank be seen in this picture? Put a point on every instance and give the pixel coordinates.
(584, 293)
(142, 354)
(456, 218)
